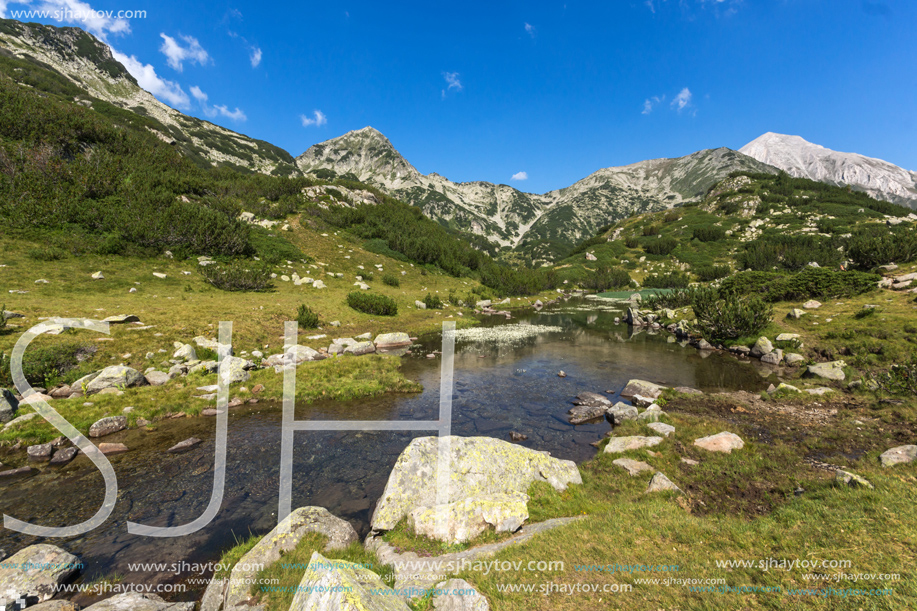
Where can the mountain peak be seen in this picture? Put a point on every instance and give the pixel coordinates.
(801, 158)
(366, 153)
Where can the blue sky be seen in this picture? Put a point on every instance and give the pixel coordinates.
(551, 91)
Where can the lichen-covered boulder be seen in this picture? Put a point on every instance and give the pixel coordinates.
(235, 369)
(478, 466)
(762, 346)
(107, 426)
(466, 519)
(284, 537)
(186, 353)
(620, 412)
(828, 371)
(114, 377)
(336, 585)
(139, 601)
(36, 571)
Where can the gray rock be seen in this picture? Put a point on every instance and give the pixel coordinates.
(792, 359)
(620, 412)
(796, 313)
(762, 346)
(852, 479)
(184, 446)
(234, 369)
(458, 595)
(833, 370)
(343, 586)
(642, 388)
(64, 455)
(107, 426)
(364, 336)
(484, 303)
(662, 428)
(660, 483)
(901, 454)
(652, 413)
(8, 405)
(58, 568)
(360, 348)
(633, 467)
(186, 353)
(704, 345)
(40, 452)
(18, 420)
(773, 358)
(641, 401)
(121, 319)
(283, 538)
(721, 442)
(616, 445)
(812, 305)
(157, 378)
(114, 377)
(788, 337)
(592, 398)
(7, 315)
(81, 384)
(420, 305)
(466, 519)
(584, 413)
(212, 344)
(139, 601)
(478, 466)
(55, 605)
(392, 340)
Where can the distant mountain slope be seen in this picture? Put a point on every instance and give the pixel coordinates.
(88, 63)
(802, 159)
(514, 218)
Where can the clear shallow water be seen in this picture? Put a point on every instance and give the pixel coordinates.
(500, 386)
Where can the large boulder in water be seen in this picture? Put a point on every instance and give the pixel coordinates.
(36, 571)
(478, 466)
(115, 376)
(337, 585)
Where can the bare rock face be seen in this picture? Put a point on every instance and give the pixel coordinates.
(721, 442)
(479, 466)
(338, 585)
(46, 567)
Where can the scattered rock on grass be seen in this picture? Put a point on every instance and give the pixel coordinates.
(616, 445)
(721, 442)
(633, 467)
(660, 483)
(901, 454)
(851, 479)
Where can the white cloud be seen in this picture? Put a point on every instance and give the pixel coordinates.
(530, 29)
(167, 91)
(255, 56)
(682, 100)
(650, 103)
(176, 54)
(217, 110)
(520, 176)
(99, 22)
(452, 80)
(318, 119)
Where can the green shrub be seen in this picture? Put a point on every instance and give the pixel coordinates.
(874, 248)
(306, 318)
(433, 302)
(713, 233)
(368, 277)
(650, 230)
(605, 278)
(671, 216)
(723, 315)
(709, 273)
(673, 280)
(676, 298)
(370, 303)
(899, 379)
(46, 365)
(47, 253)
(238, 276)
(2, 318)
(391, 280)
(865, 313)
(811, 283)
(660, 246)
(632, 242)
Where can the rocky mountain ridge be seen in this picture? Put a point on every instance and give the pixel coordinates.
(803, 159)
